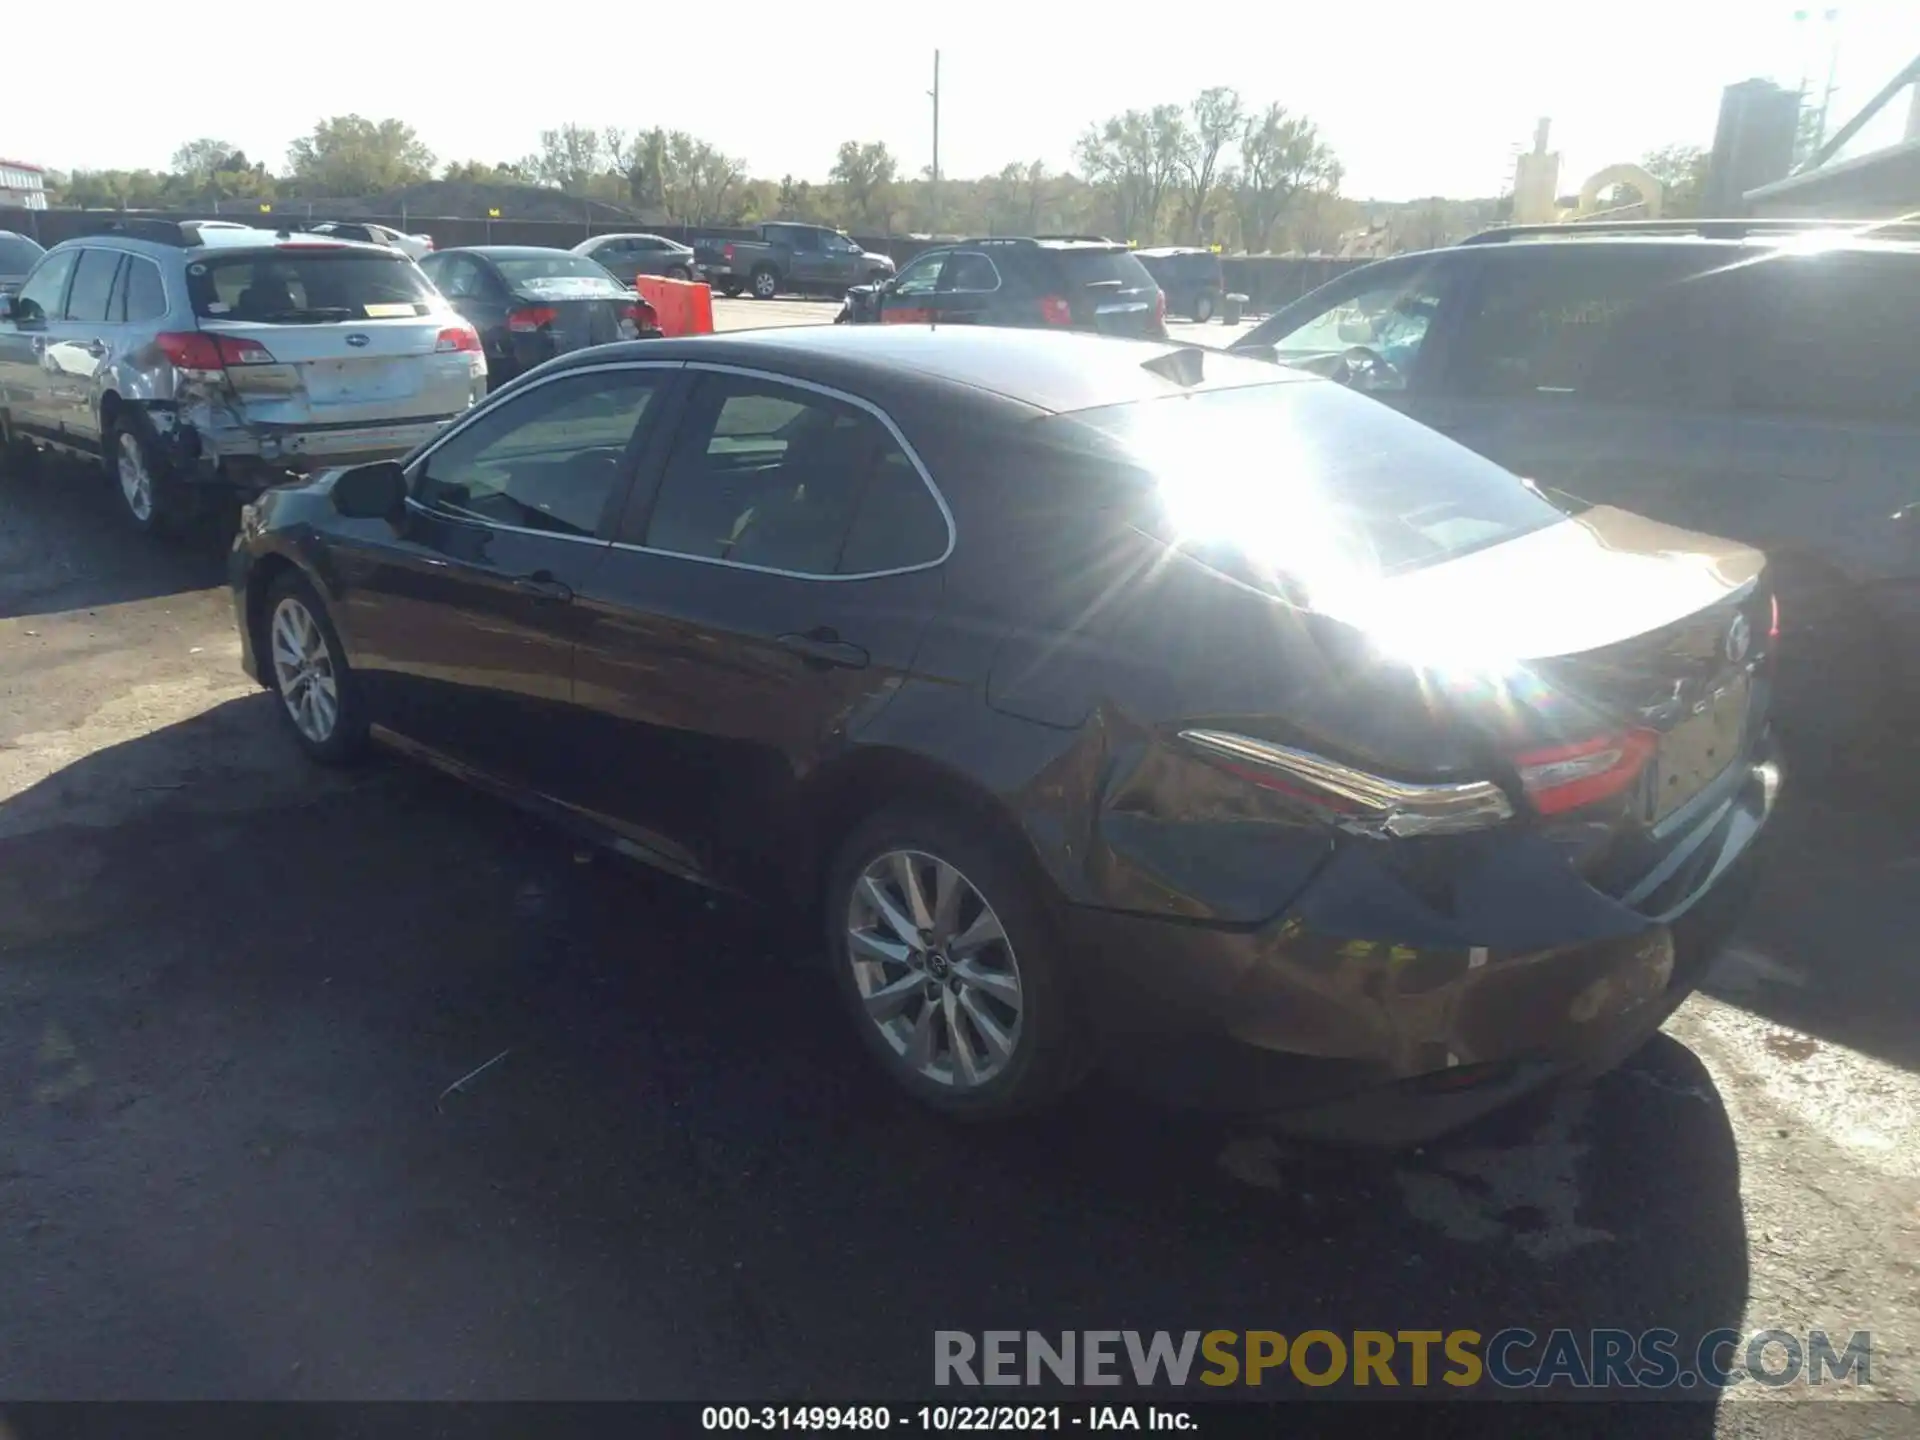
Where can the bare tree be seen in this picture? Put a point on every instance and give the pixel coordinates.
(1281, 155)
(1137, 158)
(1218, 119)
(569, 158)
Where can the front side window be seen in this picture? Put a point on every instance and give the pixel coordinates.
(92, 285)
(841, 244)
(549, 460)
(780, 478)
(1390, 318)
(45, 289)
(922, 275)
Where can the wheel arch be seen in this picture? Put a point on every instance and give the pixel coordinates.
(262, 575)
(868, 779)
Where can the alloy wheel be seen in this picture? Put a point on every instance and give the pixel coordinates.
(766, 284)
(136, 481)
(303, 670)
(934, 969)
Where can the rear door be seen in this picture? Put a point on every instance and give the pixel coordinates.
(348, 336)
(808, 264)
(969, 291)
(763, 604)
(1109, 290)
(463, 625)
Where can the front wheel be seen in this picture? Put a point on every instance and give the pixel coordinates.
(949, 963)
(731, 289)
(319, 693)
(766, 284)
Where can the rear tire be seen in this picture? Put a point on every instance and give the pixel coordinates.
(679, 272)
(731, 289)
(766, 283)
(300, 653)
(917, 997)
(153, 498)
(1203, 307)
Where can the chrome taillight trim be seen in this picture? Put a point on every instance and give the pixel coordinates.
(1387, 807)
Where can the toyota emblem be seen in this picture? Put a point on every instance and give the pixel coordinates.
(359, 342)
(1739, 640)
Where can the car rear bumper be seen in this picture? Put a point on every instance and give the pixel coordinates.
(250, 457)
(1382, 1039)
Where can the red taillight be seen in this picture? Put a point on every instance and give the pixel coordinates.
(429, 240)
(1054, 310)
(642, 314)
(456, 339)
(726, 253)
(1773, 624)
(197, 350)
(531, 318)
(1566, 777)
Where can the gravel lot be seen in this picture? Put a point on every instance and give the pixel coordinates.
(234, 993)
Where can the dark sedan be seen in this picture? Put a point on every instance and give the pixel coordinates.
(1104, 701)
(530, 303)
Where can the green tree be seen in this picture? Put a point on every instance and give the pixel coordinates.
(348, 155)
(685, 178)
(479, 172)
(1281, 156)
(1682, 173)
(866, 175)
(573, 157)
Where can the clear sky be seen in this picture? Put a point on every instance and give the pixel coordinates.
(1417, 99)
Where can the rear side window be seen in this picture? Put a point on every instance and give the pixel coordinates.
(146, 297)
(1096, 267)
(1614, 324)
(1836, 338)
(288, 286)
(92, 284)
(785, 479)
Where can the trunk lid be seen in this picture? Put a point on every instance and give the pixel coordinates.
(1110, 291)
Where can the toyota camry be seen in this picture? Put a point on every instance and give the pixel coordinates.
(1105, 703)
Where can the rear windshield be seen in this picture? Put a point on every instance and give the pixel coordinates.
(17, 254)
(1092, 267)
(287, 286)
(561, 273)
(1308, 481)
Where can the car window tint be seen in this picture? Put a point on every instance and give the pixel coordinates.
(458, 278)
(775, 477)
(970, 271)
(919, 277)
(898, 524)
(308, 287)
(547, 460)
(1391, 317)
(1568, 321)
(146, 298)
(40, 297)
(1834, 338)
(92, 284)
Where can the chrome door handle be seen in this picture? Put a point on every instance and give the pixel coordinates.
(823, 649)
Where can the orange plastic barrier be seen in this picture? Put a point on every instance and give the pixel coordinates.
(685, 307)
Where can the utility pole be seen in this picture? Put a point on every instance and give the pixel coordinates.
(934, 188)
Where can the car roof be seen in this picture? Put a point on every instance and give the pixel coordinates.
(630, 235)
(1058, 371)
(1783, 233)
(508, 252)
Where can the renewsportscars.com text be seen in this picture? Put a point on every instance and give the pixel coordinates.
(1513, 1358)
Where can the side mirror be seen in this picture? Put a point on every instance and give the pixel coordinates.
(371, 492)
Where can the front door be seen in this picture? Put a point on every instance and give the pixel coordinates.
(768, 598)
(969, 287)
(27, 386)
(912, 296)
(463, 625)
(79, 344)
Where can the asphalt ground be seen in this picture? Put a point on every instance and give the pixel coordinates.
(235, 991)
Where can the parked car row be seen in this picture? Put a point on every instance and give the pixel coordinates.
(790, 258)
(1093, 695)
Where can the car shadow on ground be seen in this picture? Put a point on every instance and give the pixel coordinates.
(368, 1087)
(66, 545)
